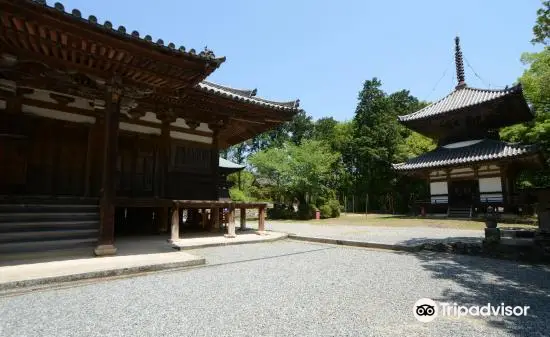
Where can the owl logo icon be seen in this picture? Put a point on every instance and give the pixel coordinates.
(425, 310)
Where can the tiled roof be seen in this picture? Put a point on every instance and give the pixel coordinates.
(76, 15)
(237, 95)
(484, 150)
(240, 92)
(461, 97)
(226, 164)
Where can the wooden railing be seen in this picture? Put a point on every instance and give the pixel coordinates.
(216, 207)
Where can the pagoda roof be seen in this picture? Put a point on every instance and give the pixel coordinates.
(229, 165)
(247, 96)
(461, 98)
(471, 152)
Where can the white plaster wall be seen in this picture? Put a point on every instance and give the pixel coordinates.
(439, 187)
(487, 185)
(493, 184)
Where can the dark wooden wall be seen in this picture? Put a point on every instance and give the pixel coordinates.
(190, 173)
(41, 156)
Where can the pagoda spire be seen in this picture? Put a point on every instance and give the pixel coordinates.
(459, 65)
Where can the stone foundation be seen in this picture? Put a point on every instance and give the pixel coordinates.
(526, 253)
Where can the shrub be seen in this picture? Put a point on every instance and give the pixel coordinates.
(237, 195)
(306, 211)
(335, 208)
(326, 211)
(331, 209)
(280, 212)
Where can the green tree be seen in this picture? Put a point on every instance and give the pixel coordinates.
(324, 129)
(376, 138)
(535, 81)
(300, 127)
(298, 171)
(541, 30)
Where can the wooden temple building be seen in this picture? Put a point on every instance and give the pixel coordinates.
(471, 167)
(99, 124)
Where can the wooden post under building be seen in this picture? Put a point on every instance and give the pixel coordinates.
(107, 202)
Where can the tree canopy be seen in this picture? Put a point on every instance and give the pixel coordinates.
(320, 161)
(541, 30)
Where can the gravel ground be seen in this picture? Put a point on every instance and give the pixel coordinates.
(377, 234)
(290, 288)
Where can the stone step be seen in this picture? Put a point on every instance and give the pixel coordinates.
(53, 216)
(47, 200)
(48, 235)
(459, 212)
(38, 246)
(6, 227)
(46, 208)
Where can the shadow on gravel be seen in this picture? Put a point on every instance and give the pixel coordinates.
(493, 281)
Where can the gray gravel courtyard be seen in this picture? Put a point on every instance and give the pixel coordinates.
(289, 288)
(376, 234)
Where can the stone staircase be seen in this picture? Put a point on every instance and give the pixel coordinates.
(42, 227)
(460, 212)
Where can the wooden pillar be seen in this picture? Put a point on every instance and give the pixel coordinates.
(449, 192)
(261, 220)
(89, 157)
(243, 219)
(164, 156)
(231, 223)
(204, 218)
(215, 160)
(175, 230)
(110, 136)
(163, 218)
(215, 219)
(504, 187)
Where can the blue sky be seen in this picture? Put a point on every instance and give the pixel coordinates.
(322, 51)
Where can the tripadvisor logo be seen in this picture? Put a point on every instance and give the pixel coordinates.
(426, 310)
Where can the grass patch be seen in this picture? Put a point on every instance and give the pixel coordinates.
(384, 220)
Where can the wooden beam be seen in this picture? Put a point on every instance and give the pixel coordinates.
(58, 20)
(13, 105)
(93, 113)
(114, 48)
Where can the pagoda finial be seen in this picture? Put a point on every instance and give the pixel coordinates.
(459, 65)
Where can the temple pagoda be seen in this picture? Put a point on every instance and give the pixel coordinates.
(471, 167)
